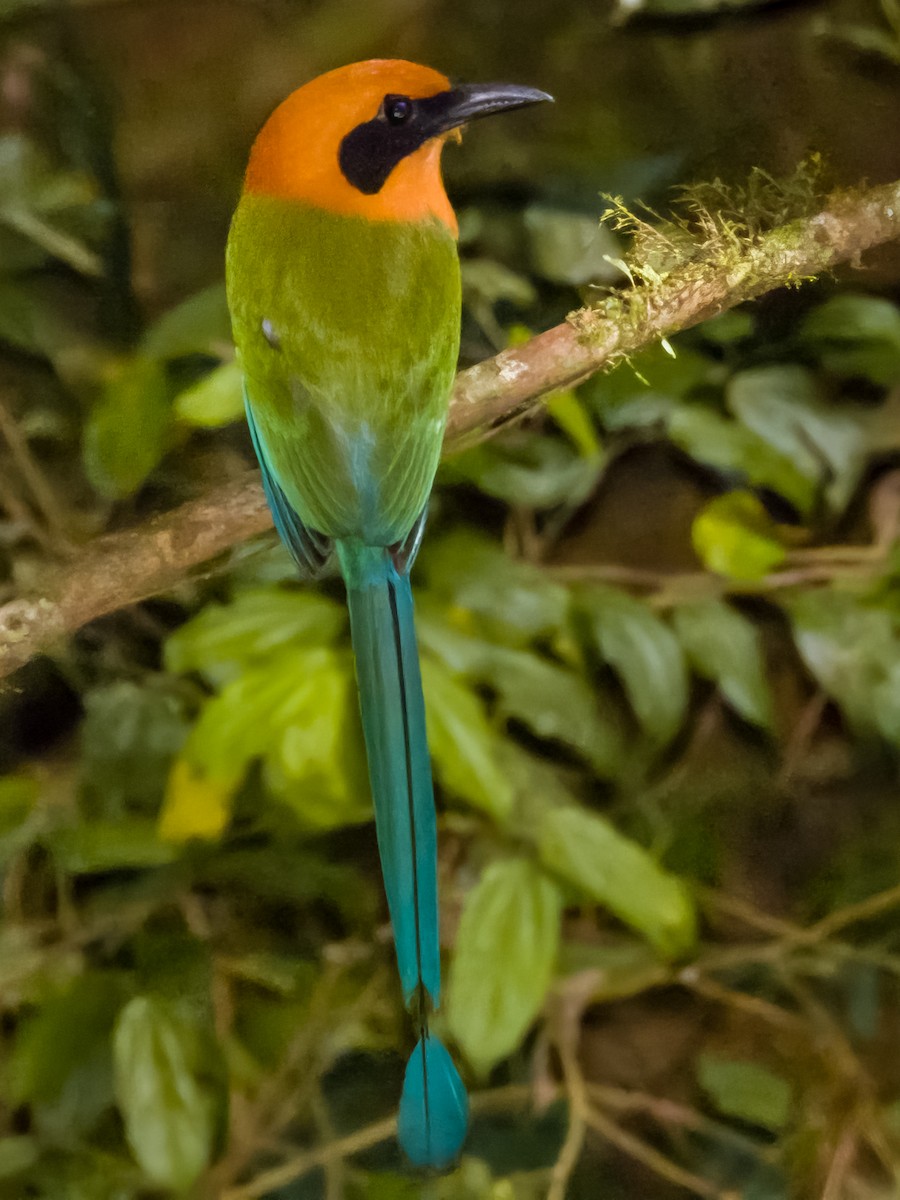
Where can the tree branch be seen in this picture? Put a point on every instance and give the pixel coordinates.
(123, 568)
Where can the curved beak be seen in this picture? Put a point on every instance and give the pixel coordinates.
(448, 110)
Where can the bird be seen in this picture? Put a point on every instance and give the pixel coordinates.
(343, 284)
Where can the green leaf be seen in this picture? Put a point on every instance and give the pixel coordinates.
(505, 950)
(557, 704)
(857, 334)
(486, 282)
(15, 8)
(18, 324)
(198, 325)
(454, 636)
(724, 647)
(623, 968)
(784, 406)
(746, 1090)
(168, 1118)
(27, 970)
(127, 431)
(318, 764)
(83, 1102)
(21, 820)
(254, 625)
(279, 973)
(571, 247)
(61, 1036)
(47, 206)
(215, 400)
(176, 966)
(463, 744)
(129, 736)
(867, 40)
(278, 872)
(613, 870)
(734, 536)
(735, 449)
(86, 1174)
(735, 325)
(646, 656)
(298, 712)
(645, 389)
(39, 318)
(383, 1185)
(109, 846)
(528, 469)
(853, 650)
(17, 1154)
(516, 600)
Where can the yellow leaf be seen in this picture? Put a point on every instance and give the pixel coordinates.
(735, 536)
(196, 805)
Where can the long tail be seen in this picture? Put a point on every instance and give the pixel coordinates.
(433, 1106)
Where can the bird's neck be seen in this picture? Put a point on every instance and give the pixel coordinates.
(413, 192)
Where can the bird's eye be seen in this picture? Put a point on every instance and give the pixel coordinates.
(397, 109)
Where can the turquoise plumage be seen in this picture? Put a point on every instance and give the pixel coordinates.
(382, 452)
(344, 289)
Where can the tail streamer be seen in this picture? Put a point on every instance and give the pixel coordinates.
(433, 1106)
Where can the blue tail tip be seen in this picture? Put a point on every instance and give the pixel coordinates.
(434, 1107)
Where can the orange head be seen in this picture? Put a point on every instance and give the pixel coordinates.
(366, 139)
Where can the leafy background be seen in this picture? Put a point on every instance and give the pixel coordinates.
(659, 625)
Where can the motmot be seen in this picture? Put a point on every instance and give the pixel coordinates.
(343, 284)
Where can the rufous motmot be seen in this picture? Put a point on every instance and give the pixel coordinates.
(344, 289)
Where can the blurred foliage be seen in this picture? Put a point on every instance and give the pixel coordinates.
(661, 655)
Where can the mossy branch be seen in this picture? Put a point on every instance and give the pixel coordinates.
(712, 259)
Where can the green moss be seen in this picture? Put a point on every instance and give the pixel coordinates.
(740, 238)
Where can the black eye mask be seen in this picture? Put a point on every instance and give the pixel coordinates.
(369, 153)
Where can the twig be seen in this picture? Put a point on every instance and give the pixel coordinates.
(125, 568)
(669, 1112)
(749, 914)
(851, 914)
(840, 1166)
(33, 476)
(583, 1115)
(651, 1158)
(668, 589)
(790, 937)
(569, 1155)
(801, 738)
(576, 1091)
(310, 1160)
(354, 1143)
(753, 1006)
(18, 511)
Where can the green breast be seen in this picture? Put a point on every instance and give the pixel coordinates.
(348, 333)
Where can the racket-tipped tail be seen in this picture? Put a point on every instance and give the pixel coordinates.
(434, 1107)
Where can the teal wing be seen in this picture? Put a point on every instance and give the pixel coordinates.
(309, 550)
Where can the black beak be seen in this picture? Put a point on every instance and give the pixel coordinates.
(468, 101)
(370, 152)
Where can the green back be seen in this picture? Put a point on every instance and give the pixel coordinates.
(351, 401)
